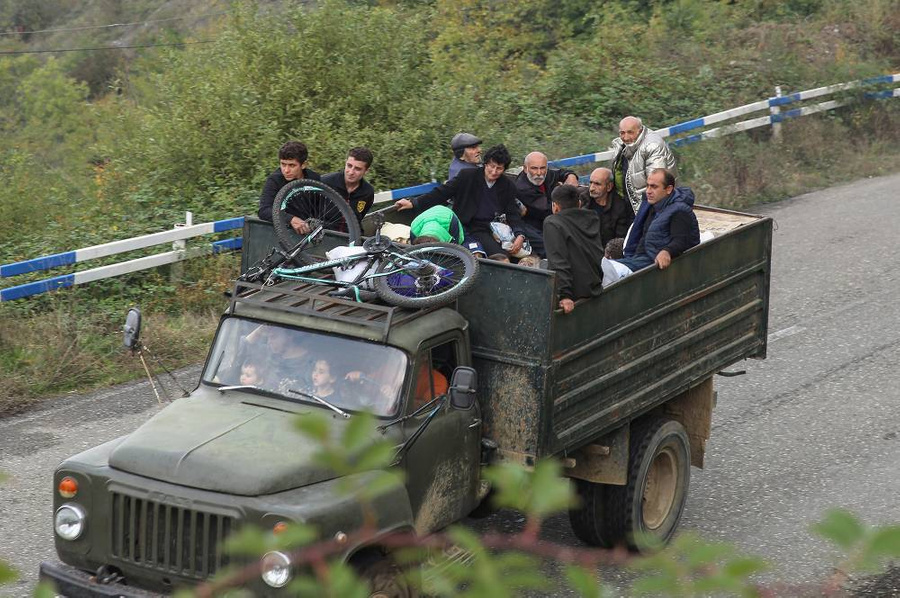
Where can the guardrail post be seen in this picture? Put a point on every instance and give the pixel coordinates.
(177, 271)
(776, 126)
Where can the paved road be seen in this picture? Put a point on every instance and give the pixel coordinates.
(816, 425)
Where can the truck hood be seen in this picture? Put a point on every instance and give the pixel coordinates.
(222, 444)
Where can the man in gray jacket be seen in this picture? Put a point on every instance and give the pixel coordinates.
(638, 152)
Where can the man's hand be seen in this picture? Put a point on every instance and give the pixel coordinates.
(663, 259)
(572, 179)
(517, 245)
(567, 305)
(300, 226)
(403, 204)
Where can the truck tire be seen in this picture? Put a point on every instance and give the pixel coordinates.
(385, 578)
(659, 472)
(589, 519)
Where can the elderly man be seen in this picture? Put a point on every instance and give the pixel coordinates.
(616, 214)
(466, 153)
(664, 228)
(534, 185)
(638, 151)
(479, 195)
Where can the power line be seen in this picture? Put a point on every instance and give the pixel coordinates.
(3, 53)
(211, 14)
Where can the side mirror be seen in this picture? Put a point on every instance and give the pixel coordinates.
(132, 329)
(462, 388)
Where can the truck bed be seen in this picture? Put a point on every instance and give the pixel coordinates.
(551, 382)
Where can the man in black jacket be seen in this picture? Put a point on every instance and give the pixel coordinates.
(533, 187)
(350, 183)
(479, 196)
(616, 214)
(574, 250)
(292, 159)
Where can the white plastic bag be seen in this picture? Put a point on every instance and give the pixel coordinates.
(504, 235)
(352, 271)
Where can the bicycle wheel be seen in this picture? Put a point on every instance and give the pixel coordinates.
(426, 276)
(318, 204)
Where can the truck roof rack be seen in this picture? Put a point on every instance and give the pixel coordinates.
(312, 300)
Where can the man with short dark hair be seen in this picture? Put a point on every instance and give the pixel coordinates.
(292, 158)
(616, 214)
(533, 187)
(638, 151)
(350, 183)
(466, 153)
(574, 250)
(479, 196)
(664, 228)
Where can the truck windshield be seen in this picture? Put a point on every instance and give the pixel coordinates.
(350, 374)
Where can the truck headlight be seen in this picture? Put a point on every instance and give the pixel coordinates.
(69, 521)
(276, 569)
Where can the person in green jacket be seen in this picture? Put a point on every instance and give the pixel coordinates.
(441, 224)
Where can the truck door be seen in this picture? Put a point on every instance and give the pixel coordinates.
(442, 466)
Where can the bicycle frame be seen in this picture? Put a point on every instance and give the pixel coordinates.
(372, 259)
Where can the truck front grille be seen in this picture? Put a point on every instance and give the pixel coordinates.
(168, 538)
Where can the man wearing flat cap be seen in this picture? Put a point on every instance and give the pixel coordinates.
(466, 153)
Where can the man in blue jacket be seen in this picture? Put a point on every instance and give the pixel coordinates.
(664, 228)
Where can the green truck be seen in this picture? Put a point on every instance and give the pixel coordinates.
(620, 390)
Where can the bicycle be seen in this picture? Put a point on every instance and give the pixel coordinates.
(427, 275)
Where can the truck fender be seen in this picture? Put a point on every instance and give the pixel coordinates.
(393, 514)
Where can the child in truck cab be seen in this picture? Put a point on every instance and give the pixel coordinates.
(322, 379)
(251, 372)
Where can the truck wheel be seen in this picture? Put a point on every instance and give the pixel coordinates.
(386, 579)
(589, 520)
(659, 471)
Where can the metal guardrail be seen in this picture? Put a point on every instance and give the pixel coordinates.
(776, 116)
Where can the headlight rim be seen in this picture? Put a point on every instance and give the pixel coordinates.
(285, 564)
(82, 520)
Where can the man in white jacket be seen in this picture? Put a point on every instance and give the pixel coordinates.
(638, 152)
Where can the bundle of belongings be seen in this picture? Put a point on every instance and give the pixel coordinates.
(504, 235)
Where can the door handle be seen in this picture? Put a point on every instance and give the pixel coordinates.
(475, 423)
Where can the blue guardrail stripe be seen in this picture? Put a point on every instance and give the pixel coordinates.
(33, 288)
(37, 264)
(228, 244)
(230, 224)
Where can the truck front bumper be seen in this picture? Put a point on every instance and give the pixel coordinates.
(75, 583)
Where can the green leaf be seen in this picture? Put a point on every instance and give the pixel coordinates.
(885, 542)
(314, 426)
(296, 535)
(7, 574)
(359, 431)
(44, 589)
(551, 492)
(744, 566)
(583, 581)
(377, 456)
(841, 527)
(250, 541)
(705, 554)
(656, 585)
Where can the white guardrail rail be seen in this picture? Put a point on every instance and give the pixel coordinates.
(181, 232)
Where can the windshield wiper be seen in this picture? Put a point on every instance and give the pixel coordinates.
(320, 400)
(239, 387)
